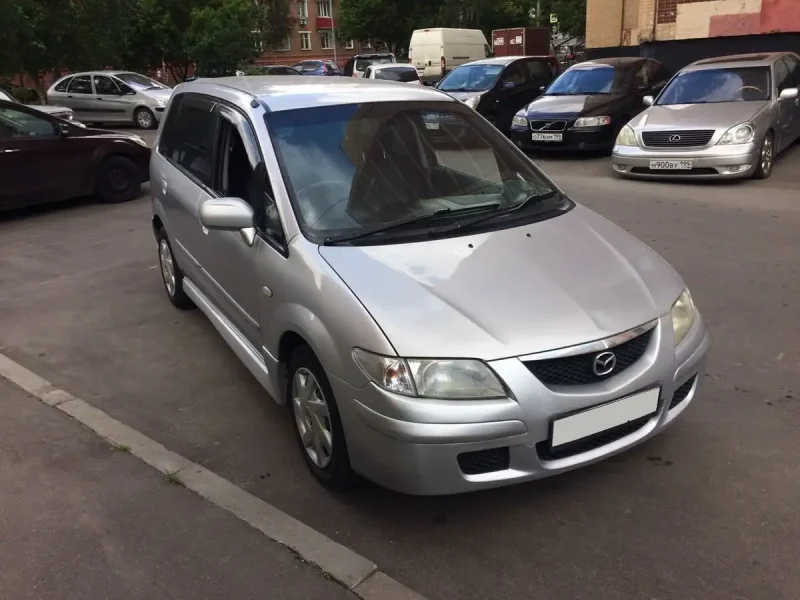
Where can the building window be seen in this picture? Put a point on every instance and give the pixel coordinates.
(305, 40)
(258, 41)
(324, 9)
(302, 9)
(326, 40)
(349, 44)
(366, 44)
(285, 46)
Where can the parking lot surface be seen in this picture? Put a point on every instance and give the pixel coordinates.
(708, 510)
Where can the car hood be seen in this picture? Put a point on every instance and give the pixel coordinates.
(578, 106)
(463, 96)
(576, 278)
(158, 94)
(722, 115)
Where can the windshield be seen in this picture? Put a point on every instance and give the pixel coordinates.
(470, 78)
(718, 85)
(404, 74)
(356, 168)
(362, 62)
(140, 82)
(591, 80)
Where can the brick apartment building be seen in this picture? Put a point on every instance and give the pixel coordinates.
(680, 31)
(314, 36)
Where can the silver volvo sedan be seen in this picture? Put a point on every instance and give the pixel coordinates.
(718, 118)
(435, 313)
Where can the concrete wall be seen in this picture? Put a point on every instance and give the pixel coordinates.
(631, 22)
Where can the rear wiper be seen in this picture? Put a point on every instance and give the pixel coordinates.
(331, 241)
(500, 212)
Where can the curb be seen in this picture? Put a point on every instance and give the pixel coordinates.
(353, 571)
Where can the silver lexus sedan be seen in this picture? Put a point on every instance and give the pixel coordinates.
(436, 314)
(718, 118)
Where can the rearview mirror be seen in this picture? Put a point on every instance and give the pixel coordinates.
(648, 100)
(229, 214)
(789, 94)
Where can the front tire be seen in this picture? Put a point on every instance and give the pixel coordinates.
(144, 118)
(766, 157)
(316, 422)
(171, 273)
(118, 180)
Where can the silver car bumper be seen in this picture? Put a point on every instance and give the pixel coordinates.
(424, 447)
(716, 162)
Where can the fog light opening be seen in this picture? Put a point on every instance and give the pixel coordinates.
(620, 168)
(737, 168)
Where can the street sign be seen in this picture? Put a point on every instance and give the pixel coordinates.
(553, 18)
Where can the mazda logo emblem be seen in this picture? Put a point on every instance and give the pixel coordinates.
(675, 138)
(604, 363)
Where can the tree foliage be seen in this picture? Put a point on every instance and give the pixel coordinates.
(221, 36)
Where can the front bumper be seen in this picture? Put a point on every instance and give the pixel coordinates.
(715, 162)
(581, 139)
(430, 447)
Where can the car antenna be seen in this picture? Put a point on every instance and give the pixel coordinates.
(256, 101)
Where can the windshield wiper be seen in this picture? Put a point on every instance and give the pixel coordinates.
(417, 219)
(500, 212)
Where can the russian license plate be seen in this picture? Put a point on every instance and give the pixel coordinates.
(606, 416)
(670, 165)
(547, 137)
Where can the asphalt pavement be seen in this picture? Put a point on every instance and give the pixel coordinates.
(708, 510)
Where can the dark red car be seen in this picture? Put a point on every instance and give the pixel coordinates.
(46, 159)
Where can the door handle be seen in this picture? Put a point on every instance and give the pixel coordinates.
(69, 96)
(10, 151)
(99, 98)
(164, 186)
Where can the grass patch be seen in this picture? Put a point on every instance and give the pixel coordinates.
(122, 448)
(171, 477)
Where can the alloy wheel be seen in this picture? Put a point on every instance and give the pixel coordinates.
(312, 417)
(144, 119)
(167, 266)
(766, 155)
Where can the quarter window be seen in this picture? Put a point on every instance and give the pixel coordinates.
(80, 84)
(188, 136)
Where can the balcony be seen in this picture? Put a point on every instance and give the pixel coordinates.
(324, 23)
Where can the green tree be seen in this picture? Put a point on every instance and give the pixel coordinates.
(390, 21)
(221, 36)
(273, 23)
(571, 15)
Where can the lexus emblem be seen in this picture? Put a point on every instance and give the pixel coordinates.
(675, 138)
(604, 363)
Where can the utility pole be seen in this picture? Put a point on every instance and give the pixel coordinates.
(333, 32)
(538, 12)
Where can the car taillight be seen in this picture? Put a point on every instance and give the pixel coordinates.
(444, 65)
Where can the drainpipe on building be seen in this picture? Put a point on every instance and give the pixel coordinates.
(333, 31)
(622, 25)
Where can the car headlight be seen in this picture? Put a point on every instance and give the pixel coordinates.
(627, 137)
(519, 120)
(744, 133)
(449, 379)
(592, 122)
(682, 316)
(472, 102)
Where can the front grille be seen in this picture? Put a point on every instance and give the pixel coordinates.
(681, 393)
(578, 370)
(668, 173)
(484, 461)
(677, 139)
(548, 125)
(591, 442)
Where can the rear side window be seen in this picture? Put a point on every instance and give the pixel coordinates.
(188, 137)
(539, 69)
(399, 74)
(61, 86)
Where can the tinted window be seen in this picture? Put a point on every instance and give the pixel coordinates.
(539, 69)
(18, 124)
(470, 78)
(362, 62)
(601, 79)
(718, 85)
(379, 163)
(794, 71)
(641, 77)
(658, 72)
(80, 84)
(282, 71)
(61, 86)
(404, 74)
(105, 86)
(514, 73)
(188, 136)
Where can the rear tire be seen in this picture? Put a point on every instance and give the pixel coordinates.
(171, 273)
(144, 118)
(766, 157)
(316, 422)
(118, 180)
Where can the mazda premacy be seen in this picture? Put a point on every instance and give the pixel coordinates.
(436, 314)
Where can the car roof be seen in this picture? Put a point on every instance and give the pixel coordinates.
(759, 59)
(288, 92)
(621, 62)
(500, 60)
(104, 72)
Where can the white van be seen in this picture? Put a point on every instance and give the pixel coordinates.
(437, 51)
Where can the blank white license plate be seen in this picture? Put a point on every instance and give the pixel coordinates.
(670, 165)
(547, 137)
(607, 416)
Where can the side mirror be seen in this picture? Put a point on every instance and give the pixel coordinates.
(542, 88)
(229, 214)
(508, 86)
(789, 94)
(648, 100)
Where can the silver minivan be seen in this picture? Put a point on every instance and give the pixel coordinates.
(436, 314)
(118, 97)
